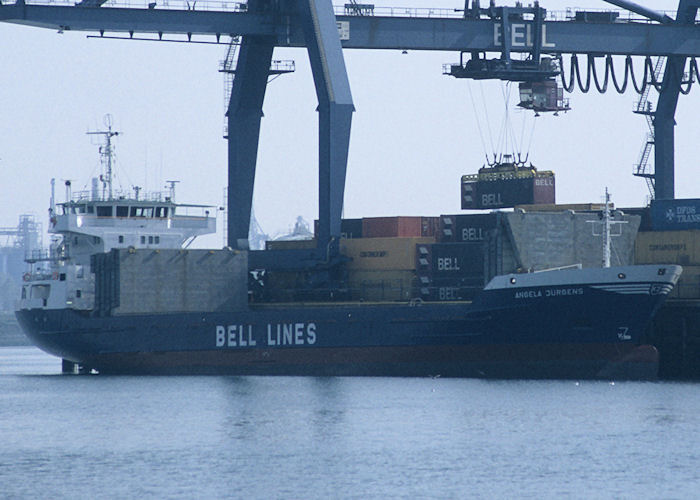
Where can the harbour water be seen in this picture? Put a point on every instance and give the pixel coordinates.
(66, 436)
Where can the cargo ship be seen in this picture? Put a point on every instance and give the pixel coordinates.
(138, 305)
(121, 292)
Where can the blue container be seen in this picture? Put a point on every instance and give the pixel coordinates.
(675, 215)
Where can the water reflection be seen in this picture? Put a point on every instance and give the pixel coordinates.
(304, 437)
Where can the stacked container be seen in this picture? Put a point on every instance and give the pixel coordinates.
(450, 271)
(673, 247)
(675, 215)
(349, 228)
(466, 228)
(381, 268)
(399, 227)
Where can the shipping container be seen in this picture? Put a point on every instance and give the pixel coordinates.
(381, 285)
(507, 192)
(674, 215)
(349, 228)
(392, 227)
(430, 226)
(561, 207)
(382, 253)
(447, 289)
(668, 247)
(443, 260)
(290, 244)
(543, 189)
(466, 227)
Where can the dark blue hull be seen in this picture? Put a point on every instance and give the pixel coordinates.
(539, 332)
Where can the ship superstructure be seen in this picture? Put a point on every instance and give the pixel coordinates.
(96, 221)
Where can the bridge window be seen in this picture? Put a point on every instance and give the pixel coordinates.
(121, 238)
(122, 211)
(161, 212)
(157, 239)
(79, 209)
(105, 211)
(141, 211)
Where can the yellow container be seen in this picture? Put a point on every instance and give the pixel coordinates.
(668, 247)
(376, 286)
(382, 254)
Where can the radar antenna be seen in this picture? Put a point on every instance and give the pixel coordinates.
(106, 155)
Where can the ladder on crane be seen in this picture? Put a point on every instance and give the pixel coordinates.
(645, 107)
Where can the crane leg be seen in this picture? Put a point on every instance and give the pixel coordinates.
(244, 116)
(335, 108)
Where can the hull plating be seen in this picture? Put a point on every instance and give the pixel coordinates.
(546, 332)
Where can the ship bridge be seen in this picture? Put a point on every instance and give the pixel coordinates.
(89, 223)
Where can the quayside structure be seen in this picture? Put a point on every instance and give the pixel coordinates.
(492, 36)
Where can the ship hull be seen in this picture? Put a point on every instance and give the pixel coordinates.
(568, 330)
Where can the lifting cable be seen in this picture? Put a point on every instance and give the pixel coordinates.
(488, 123)
(478, 123)
(504, 132)
(649, 78)
(507, 138)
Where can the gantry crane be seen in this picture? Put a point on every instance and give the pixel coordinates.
(325, 31)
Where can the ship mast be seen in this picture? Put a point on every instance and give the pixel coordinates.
(106, 155)
(606, 230)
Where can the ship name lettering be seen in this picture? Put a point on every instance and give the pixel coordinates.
(558, 292)
(291, 334)
(528, 294)
(235, 336)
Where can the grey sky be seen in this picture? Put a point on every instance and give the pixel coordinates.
(414, 131)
